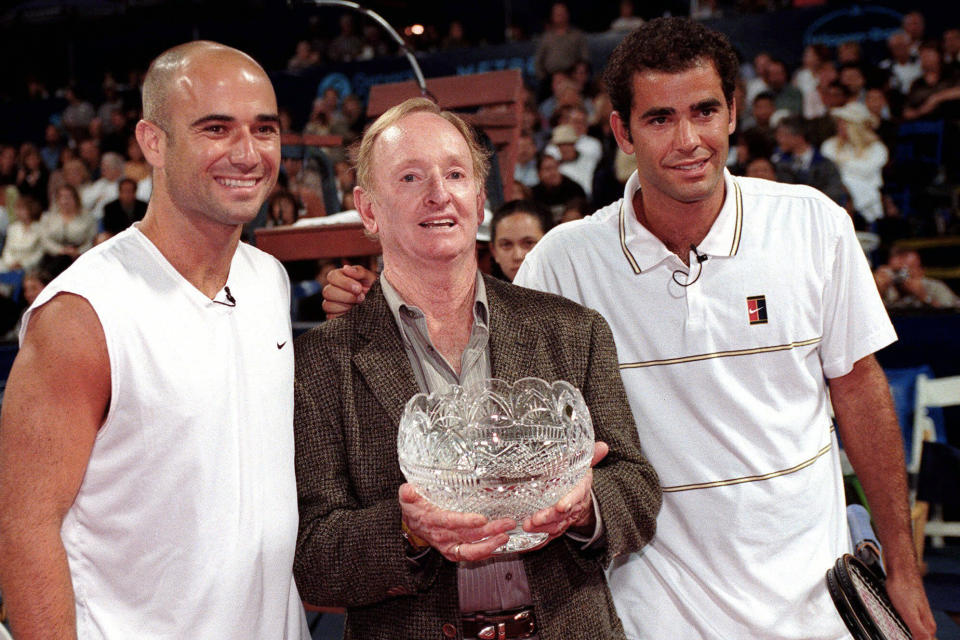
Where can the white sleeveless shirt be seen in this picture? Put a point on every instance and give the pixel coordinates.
(186, 520)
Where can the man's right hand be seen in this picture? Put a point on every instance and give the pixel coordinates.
(346, 287)
(457, 536)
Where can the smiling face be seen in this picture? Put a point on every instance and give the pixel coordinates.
(678, 133)
(424, 201)
(219, 159)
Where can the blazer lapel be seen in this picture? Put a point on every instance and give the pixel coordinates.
(513, 339)
(381, 360)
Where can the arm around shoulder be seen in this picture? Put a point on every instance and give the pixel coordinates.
(55, 401)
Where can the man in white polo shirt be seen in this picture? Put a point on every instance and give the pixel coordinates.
(733, 302)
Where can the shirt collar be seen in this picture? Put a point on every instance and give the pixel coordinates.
(397, 305)
(643, 250)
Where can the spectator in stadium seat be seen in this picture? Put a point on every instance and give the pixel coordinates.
(22, 248)
(860, 157)
(855, 82)
(282, 209)
(807, 78)
(303, 57)
(105, 189)
(8, 165)
(626, 21)
(565, 145)
(66, 229)
(136, 167)
(757, 84)
(52, 145)
(761, 168)
(849, 52)
(525, 170)
(563, 93)
(903, 284)
(933, 95)
(884, 124)
(32, 176)
(347, 45)
(78, 114)
(903, 66)
(799, 162)
(126, 209)
(88, 150)
(785, 96)
(833, 95)
(554, 190)
(951, 51)
(561, 45)
(914, 24)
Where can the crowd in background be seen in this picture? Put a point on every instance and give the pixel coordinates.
(836, 123)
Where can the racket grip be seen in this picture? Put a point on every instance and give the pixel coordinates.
(859, 522)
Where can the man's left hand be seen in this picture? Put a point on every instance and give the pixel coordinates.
(906, 593)
(572, 510)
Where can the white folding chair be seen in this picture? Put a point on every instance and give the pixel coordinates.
(932, 393)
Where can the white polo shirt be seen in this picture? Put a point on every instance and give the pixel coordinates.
(726, 381)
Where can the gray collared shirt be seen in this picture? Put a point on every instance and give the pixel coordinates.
(498, 583)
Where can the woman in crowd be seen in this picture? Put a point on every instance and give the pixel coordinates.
(808, 79)
(22, 249)
(136, 167)
(282, 209)
(66, 229)
(32, 176)
(860, 157)
(515, 228)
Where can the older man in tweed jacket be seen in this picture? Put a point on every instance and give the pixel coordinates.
(355, 374)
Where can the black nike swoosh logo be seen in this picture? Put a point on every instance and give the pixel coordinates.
(280, 344)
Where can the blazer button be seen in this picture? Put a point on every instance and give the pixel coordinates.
(449, 631)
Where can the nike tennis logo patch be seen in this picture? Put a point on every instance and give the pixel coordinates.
(280, 344)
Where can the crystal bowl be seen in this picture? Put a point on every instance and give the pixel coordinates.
(501, 450)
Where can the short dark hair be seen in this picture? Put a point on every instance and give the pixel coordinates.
(33, 206)
(542, 156)
(530, 207)
(836, 84)
(795, 125)
(765, 95)
(670, 45)
(124, 181)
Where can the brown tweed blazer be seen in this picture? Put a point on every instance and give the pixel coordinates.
(352, 382)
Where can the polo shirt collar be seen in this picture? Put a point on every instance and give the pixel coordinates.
(643, 250)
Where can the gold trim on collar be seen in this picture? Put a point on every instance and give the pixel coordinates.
(745, 479)
(737, 229)
(721, 354)
(623, 242)
(738, 200)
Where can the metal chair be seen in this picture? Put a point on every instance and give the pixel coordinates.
(932, 393)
